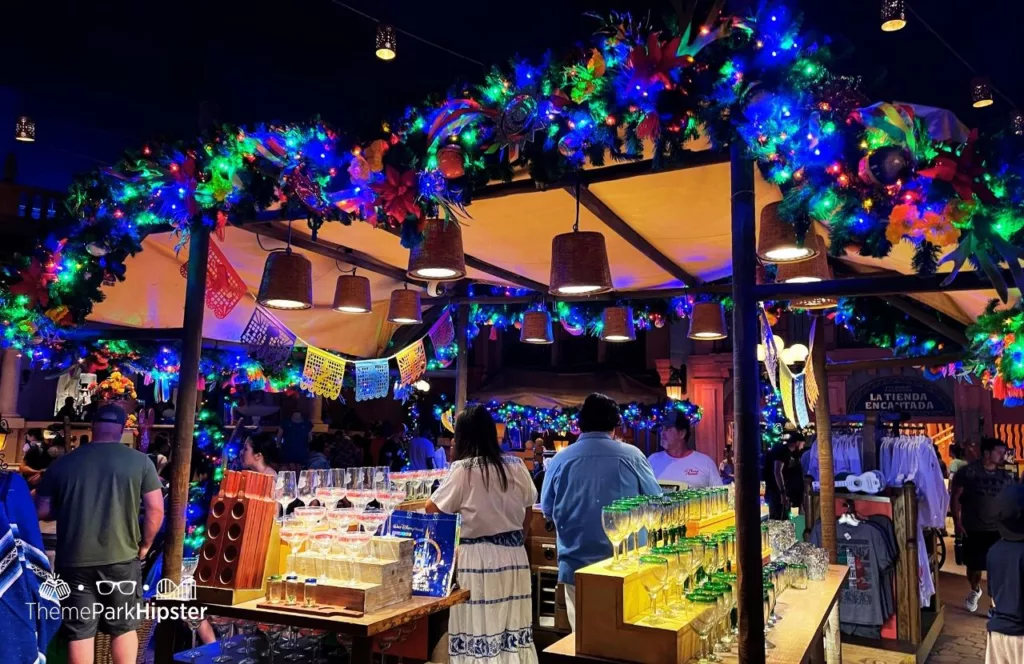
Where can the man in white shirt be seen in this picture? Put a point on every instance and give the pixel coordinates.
(680, 462)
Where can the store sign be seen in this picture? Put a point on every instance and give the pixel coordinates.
(900, 394)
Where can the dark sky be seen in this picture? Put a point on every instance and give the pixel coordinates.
(102, 75)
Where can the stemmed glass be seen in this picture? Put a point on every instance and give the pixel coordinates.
(189, 564)
(767, 606)
(685, 566)
(704, 621)
(310, 516)
(273, 632)
(322, 542)
(360, 498)
(340, 518)
(655, 576)
(193, 625)
(323, 488)
(670, 555)
(392, 499)
(248, 629)
(710, 556)
(285, 490)
(615, 522)
(339, 486)
(222, 630)
(652, 521)
(348, 543)
(293, 533)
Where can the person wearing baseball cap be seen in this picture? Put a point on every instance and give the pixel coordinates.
(94, 494)
(680, 461)
(1005, 565)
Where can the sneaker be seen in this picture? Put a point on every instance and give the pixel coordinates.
(971, 603)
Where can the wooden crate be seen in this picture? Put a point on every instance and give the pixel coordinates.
(232, 596)
(377, 583)
(711, 525)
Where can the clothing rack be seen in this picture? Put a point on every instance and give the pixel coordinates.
(916, 627)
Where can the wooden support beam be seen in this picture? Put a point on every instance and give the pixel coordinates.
(354, 257)
(461, 358)
(649, 294)
(927, 318)
(895, 362)
(507, 275)
(823, 427)
(599, 209)
(889, 285)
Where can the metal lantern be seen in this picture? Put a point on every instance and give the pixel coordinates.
(404, 308)
(439, 257)
(674, 387)
(1017, 122)
(894, 15)
(352, 295)
(387, 42)
(981, 92)
(536, 328)
(776, 240)
(25, 129)
(815, 269)
(579, 264)
(617, 324)
(287, 281)
(707, 322)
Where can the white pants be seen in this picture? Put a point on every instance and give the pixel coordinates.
(570, 604)
(1004, 649)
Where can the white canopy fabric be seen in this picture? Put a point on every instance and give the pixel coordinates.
(542, 389)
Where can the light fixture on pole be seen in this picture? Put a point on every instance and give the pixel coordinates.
(536, 328)
(894, 15)
(617, 324)
(287, 281)
(802, 272)
(439, 257)
(387, 42)
(404, 308)
(981, 92)
(707, 322)
(776, 240)
(579, 261)
(25, 129)
(352, 294)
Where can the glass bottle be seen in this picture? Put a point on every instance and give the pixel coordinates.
(275, 589)
(309, 596)
(291, 589)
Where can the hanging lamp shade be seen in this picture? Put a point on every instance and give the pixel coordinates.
(707, 322)
(981, 92)
(776, 241)
(404, 308)
(439, 257)
(536, 328)
(287, 281)
(352, 295)
(815, 269)
(25, 129)
(617, 324)
(894, 15)
(387, 42)
(579, 264)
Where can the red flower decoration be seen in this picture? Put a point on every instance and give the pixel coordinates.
(656, 61)
(35, 284)
(397, 194)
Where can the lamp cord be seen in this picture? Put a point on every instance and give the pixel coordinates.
(576, 225)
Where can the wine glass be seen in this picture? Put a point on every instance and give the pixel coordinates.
(322, 542)
(193, 625)
(310, 516)
(652, 521)
(766, 604)
(340, 518)
(704, 621)
(684, 554)
(655, 576)
(615, 522)
(293, 533)
(285, 490)
(248, 630)
(710, 555)
(323, 488)
(222, 630)
(360, 542)
(360, 498)
(670, 555)
(392, 499)
(339, 485)
(371, 520)
(309, 482)
(189, 564)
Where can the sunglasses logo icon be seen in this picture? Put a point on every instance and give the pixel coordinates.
(108, 587)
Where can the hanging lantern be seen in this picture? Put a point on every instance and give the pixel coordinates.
(894, 15)
(1017, 122)
(404, 308)
(287, 281)
(352, 295)
(536, 328)
(617, 324)
(387, 42)
(439, 256)
(776, 241)
(579, 264)
(981, 92)
(707, 322)
(674, 387)
(815, 269)
(25, 129)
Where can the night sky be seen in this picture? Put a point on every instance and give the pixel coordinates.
(104, 75)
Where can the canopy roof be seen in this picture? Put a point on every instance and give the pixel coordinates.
(542, 389)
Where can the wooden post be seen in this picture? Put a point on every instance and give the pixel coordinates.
(746, 397)
(823, 425)
(462, 358)
(185, 411)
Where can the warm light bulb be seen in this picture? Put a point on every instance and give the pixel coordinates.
(436, 272)
(577, 290)
(787, 253)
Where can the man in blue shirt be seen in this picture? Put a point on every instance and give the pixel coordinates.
(580, 480)
(1006, 580)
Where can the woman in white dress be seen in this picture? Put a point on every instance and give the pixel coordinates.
(491, 492)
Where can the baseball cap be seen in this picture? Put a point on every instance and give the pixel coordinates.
(674, 417)
(1009, 511)
(111, 414)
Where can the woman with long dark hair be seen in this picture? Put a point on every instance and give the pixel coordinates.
(491, 492)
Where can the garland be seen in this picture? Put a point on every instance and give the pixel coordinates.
(565, 420)
(996, 354)
(876, 174)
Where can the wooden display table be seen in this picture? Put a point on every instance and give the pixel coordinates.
(610, 630)
(361, 629)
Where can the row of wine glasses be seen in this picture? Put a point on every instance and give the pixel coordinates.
(252, 642)
(329, 487)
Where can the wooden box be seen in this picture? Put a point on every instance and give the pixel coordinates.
(711, 525)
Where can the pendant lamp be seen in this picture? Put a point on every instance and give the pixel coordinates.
(352, 294)
(579, 261)
(802, 272)
(287, 281)
(894, 15)
(981, 92)
(386, 44)
(617, 324)
(707, 322)
(404, 308)
(776, 241)
(25, 129)
(439, 257)
(536, 328)
(674, 386)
